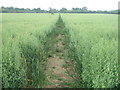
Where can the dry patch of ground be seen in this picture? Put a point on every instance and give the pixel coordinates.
(57, 74)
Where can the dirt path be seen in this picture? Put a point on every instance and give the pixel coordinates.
(57, 68)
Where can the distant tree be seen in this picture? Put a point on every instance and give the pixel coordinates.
(63, 10)
(99, 11)
(75, 8)
(52, 10)
(85, 8)
(118, 11)
(2, 7)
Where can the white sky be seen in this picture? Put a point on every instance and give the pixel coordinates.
(58, 4)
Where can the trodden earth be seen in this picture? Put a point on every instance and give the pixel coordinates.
(59, 68)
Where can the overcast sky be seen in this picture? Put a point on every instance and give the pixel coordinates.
(58, 4)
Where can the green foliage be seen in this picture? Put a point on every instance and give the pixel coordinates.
(23, 49)
(0, 47)
(53, 10)
(94, 46)
(91, 39)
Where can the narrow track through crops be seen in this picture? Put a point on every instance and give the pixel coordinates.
(57, 64)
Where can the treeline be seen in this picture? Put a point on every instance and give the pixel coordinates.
(21, 10)
(51, 10)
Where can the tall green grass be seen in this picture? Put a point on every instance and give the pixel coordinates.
(94, 45)
(0, 51)
(23, 38)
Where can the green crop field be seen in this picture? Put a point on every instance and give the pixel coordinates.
(23, 37)
(91, 42)
(95, 39)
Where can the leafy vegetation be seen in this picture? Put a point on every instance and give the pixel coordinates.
(94, 46)
(23, 49)
(0, 51)
(53, 10)
(27, 43)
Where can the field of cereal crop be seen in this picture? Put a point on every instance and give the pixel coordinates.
(59, 51)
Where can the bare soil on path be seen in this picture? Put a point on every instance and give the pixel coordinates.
(57, 70)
